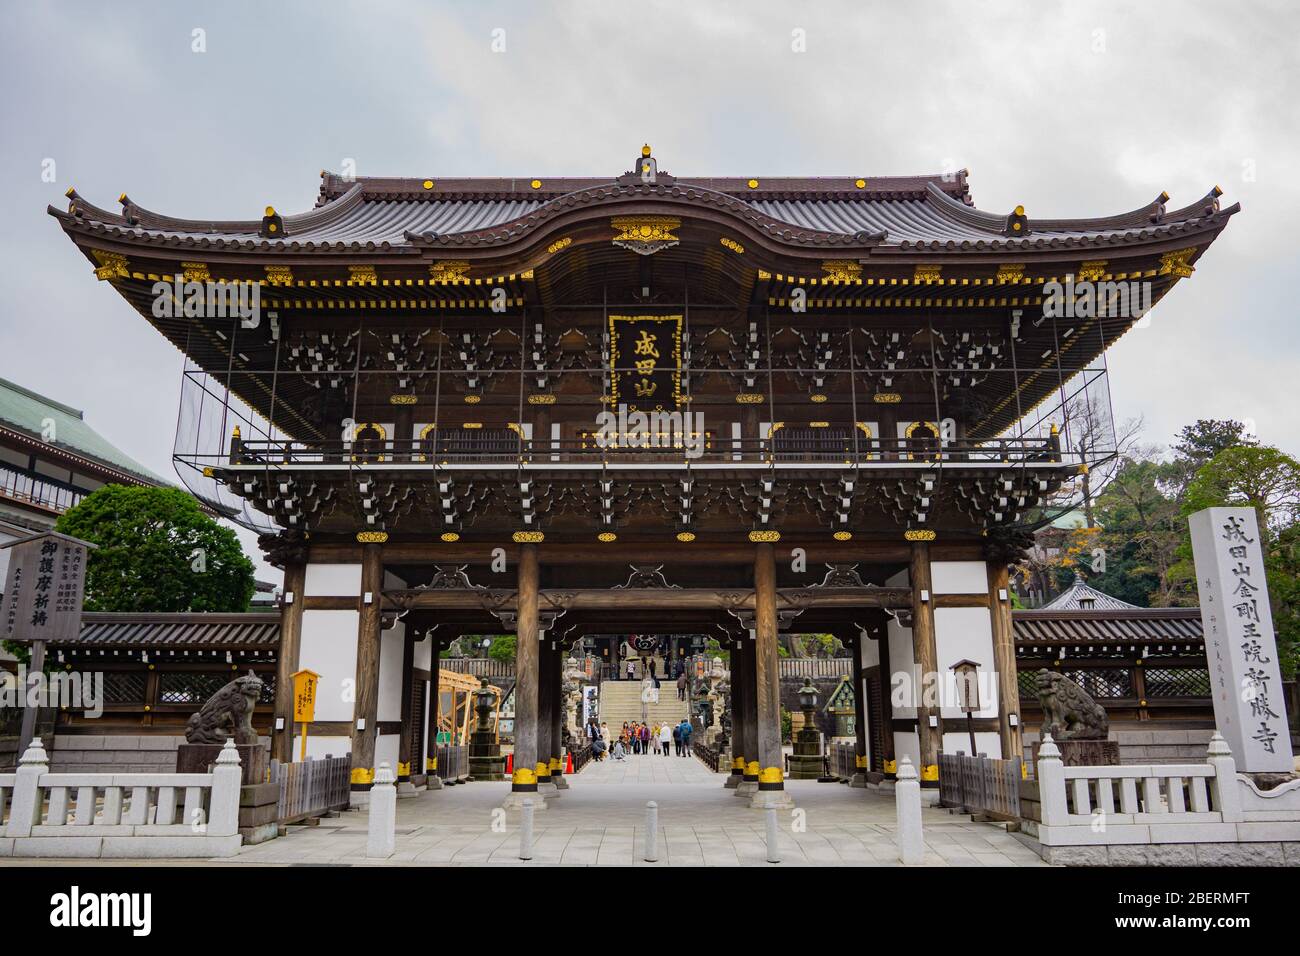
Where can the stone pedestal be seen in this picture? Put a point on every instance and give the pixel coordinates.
(1084, 753)
(254, 762)
(806, 763)
(485, 759)
(258, 819)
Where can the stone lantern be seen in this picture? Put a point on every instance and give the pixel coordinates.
(485, 760)
(807, 763)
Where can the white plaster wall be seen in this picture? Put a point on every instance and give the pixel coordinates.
(424, 654)
(390, 672)
(329, 647)
(908, 744)
(966, 633)
(959, 577)
(900, 663)
(955, 738)
(870, 652)
(333, 580)
(386, 751)
(318, 747)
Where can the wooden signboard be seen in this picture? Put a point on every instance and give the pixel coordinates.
(44, 589)
(304, 702)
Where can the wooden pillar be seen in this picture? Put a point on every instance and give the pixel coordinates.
(557, 715)
(888, 760)
(432, 780)
(859, 640)
(524, 777)
(767, 680)
(365, 713)
(750, 722)
(404, 735)
(926, 656)
(545, 712)
(1004, 660)
(286, 662)
(738, 691)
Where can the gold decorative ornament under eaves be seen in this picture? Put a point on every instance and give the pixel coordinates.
(841, 270)
(645, 235)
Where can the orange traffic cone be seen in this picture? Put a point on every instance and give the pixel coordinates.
(510, 764)
(568, 763)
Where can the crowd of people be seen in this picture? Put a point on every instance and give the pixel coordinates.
(638, 739)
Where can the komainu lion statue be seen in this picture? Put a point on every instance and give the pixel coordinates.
(229, 712)
(1068, 712)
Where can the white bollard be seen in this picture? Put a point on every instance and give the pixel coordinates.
(25, 801)
(223, 808)
(773, 851)
(526, 829)
(907, 805)
(381, 838)
(651, 832)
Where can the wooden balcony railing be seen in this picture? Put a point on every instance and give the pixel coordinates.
(498, 450)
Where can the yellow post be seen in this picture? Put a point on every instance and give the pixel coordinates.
(304, 703)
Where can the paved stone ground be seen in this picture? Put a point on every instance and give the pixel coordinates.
(600, 821)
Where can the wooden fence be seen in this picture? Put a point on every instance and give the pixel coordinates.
(709, 755)
(453, 763)
(980, 785)
(842, 760)
(312, 788)
(478, 666)
(581, 756)
(827, 667)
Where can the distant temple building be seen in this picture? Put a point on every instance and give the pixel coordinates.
(640, 404)
(50, 458)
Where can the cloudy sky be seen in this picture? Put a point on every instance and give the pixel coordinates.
(1071, 108)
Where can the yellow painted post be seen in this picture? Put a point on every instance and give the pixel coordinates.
(304, 702)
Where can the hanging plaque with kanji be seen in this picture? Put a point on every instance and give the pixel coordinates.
(44, 589)
(646, 361)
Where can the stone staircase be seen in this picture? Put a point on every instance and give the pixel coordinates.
(620, 700)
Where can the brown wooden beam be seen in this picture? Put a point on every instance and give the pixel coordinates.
(295, 575)
(366, 707)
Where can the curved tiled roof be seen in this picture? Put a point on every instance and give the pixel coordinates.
(401, 215)
(189, 629)
(1135, 625)
(1079, 596)
(30, 414)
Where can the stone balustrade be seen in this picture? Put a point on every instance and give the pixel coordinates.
(119, 815)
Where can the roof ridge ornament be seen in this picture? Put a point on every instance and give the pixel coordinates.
(1017, 223)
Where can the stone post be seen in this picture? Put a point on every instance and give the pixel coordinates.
(381, 831)
(223, 807)
(1050, 772)
(25, 803)
(907, 805)
(1224, 788)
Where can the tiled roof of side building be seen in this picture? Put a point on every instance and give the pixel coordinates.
(905, 212)
(31, 414)
(1079, 596)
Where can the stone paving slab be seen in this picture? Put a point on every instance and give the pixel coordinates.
(600, 821)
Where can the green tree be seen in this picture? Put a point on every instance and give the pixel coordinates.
(503, 648)
(1198, 444)
(157, 551)
(1143, 530)
(713, 649)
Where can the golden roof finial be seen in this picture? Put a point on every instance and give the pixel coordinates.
(645, 150)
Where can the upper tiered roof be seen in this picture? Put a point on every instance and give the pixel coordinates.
(840, 214)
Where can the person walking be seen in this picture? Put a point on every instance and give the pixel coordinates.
(681, 684)
(654, 740)
(631, 669)
(677, 739)
(604, 734)
(687, 730)
(645, 738)
(665, 737)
